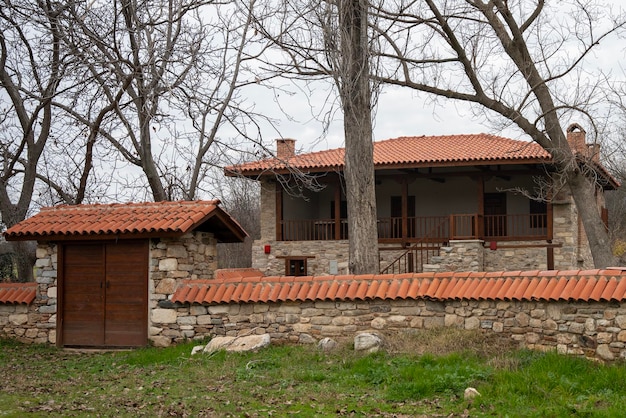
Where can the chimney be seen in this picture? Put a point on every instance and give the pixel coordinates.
(576, 139)
(578, 143)
(285, 148)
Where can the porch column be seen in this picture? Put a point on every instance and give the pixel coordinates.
(405, 209)
(338, 210)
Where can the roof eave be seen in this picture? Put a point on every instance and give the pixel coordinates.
(54, 237)
(257, 174)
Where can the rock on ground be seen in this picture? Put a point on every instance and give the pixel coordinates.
(367, 342)
(247, 343)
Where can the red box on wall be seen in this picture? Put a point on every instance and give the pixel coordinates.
(267, 249)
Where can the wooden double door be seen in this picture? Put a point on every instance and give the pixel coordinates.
(104, 294)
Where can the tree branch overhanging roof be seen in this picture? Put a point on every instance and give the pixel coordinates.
(127, 220)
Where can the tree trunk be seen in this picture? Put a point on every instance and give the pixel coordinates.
(359, 155)
(25, 258)
(599, 243)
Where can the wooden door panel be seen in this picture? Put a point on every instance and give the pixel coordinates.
(126, 294)
(83, 294)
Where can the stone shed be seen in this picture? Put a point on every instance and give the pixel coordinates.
(103, 269)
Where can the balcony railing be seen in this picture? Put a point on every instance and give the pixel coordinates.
(429, 228)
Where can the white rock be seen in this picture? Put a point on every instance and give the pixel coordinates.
(367, 342)
(327, 344)
(470, 393)
(247, 343)
(197, 349)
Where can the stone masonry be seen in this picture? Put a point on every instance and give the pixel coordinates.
(583, 329)
(193, 256)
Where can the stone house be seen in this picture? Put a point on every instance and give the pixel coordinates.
(104, 272)
(445, 203)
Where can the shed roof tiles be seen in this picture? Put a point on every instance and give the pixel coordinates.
(584, 285)
(131, 220)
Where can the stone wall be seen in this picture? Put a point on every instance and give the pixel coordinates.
(589, 329)
(35, 323)
(459, 255)
(25, 324)
(319, 255)
(42, 313)
(192, 256)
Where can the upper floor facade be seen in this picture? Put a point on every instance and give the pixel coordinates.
(432, 193)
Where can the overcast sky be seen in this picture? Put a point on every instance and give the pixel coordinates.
(402, 111)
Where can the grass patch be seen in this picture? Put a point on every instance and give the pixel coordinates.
(423, 374)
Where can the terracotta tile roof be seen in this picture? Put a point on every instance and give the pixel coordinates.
(127, 219)
(414, 151)
(18, 293)
(574, 285)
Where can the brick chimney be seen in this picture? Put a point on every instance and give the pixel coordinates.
(578, 143)
(285, 148)
(576, 139)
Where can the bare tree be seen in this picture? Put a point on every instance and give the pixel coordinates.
(32, 67)
(519, 61)
(615, 161)
(241, 199)
(171, 73)
(331, 40)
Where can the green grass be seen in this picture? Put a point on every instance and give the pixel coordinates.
(302, 381)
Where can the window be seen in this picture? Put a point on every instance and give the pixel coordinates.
(295, 267)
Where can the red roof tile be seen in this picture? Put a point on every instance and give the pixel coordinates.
(18, 293)
(522, 286)
(415, 151)
(129, 219)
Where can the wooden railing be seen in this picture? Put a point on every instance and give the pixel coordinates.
(313, 229)
(519, 227)
(425, 228)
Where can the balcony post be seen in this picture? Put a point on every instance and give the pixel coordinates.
(405, 209)
(337, 220)
(452, 227)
